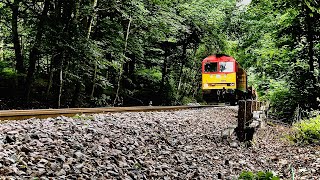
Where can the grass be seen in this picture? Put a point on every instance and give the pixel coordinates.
(307, 131)
(248, 175)
(82, 117)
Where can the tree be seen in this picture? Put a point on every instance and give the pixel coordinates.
(98, 53)
(276, 39)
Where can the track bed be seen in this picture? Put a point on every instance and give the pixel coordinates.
(152, 145)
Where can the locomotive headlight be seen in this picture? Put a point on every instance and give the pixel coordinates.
(232, 84)
(206, 85)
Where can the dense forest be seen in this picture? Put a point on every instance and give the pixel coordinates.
(89, 53)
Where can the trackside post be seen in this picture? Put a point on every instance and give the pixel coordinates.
(245, 114)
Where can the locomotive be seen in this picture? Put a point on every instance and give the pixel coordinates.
(223, 79)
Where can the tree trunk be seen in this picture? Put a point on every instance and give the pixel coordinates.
(57, 69)
(310, 38)
(60, 86)
(164, 77)
(1, 50)
(50, 79)
(77, 92)
(183, 60)
(132, 66)
(66, 18)
(128, 72)
(94, 79)
(34, 52)
(91, 20)
(121, 69)
(15, 36)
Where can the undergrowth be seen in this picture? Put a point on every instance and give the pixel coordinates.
(307, 131)
(247, 175)
(82, 117)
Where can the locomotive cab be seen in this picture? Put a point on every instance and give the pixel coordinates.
(222, 79)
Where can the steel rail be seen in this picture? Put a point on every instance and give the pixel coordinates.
(45, 113)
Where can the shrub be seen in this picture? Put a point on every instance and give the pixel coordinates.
(276, 91)
(281, 99)
(187, 100)
(307, 131)
(247, 175)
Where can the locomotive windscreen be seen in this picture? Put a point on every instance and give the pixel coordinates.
(211, 67)
(226, 66)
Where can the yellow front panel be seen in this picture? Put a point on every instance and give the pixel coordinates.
(218, 81)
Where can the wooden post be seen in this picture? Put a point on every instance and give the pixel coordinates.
(244, 132)
(241, 120)
(258, 105)
(248, 113)
(254, 105)
(241, 114)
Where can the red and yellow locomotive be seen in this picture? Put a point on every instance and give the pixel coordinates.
(223, 79)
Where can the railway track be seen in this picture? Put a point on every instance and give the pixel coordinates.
(46, 113)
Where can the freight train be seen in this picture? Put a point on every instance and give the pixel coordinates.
(223, 79)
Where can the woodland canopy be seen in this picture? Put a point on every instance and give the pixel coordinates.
(89, 53)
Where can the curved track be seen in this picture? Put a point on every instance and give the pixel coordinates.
(45, 113)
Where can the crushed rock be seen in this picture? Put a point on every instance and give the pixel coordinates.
(183, 144)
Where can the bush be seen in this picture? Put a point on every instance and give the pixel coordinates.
(247, 175)
(276, 91)
(307, 131)
(281, 99)
(187, 100)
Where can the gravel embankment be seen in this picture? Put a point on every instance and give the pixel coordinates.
(148, 145)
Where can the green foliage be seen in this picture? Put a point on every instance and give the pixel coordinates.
(277, 43)
(83, 117)
(187, 100)
(8, 72)
(282, 99)
(147, 86)
(307, 131)
(146, 51)
(149, 75)
(101, 101)
(247, 175)
(116, 48)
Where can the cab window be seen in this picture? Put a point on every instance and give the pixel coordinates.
(226, 66)
(211, 67)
